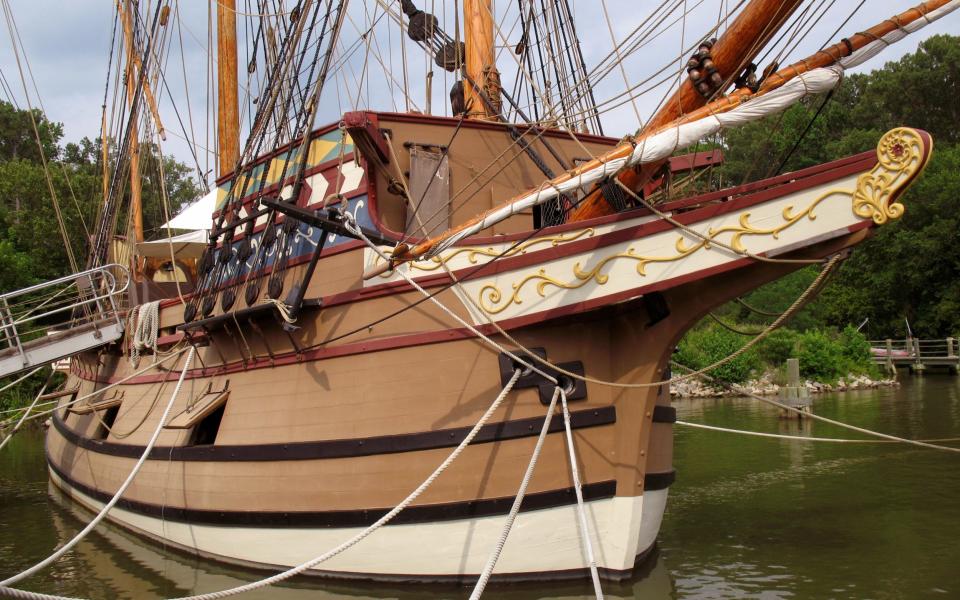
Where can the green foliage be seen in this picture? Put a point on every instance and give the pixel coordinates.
(24, 392)
(31, 244)
(821, 357)
(909, 268)
(827, 357)
(706, 345)
(778, 346)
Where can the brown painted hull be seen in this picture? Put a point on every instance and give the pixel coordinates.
(327, 428)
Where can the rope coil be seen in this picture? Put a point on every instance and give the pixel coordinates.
(144, 321)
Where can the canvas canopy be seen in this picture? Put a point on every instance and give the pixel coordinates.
(188, 245)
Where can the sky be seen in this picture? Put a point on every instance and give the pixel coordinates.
(67, 45)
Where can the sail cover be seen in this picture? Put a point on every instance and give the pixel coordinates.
(197, 216)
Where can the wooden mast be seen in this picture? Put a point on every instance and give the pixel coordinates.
(131, 74)
(735, 49)
(228, 119)
(480, 60)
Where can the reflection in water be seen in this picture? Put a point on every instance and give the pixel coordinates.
(747, 518)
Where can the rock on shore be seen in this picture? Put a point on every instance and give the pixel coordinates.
(765, 386)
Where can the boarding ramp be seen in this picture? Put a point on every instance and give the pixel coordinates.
(50, 321)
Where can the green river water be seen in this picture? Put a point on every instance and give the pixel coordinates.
(747, 517)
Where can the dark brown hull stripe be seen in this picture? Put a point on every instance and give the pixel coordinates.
(659, 481)
(347, 518)
(664, 414)
(362, 517)
(369, 446)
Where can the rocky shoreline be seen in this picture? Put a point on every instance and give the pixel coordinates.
(765, 386)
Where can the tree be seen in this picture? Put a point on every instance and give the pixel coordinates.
(911, 268)
(31, 244)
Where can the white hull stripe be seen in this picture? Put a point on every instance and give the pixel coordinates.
(542, 542)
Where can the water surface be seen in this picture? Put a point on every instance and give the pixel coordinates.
(747, 517)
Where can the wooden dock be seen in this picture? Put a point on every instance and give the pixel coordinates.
(916, 355)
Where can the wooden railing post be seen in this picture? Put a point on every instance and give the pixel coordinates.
(890, 367)
(950, 352)
(918, 365)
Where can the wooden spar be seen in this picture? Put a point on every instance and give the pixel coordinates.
(136, 206)
(734, 50)
(480, 59)
(228, 113)
(105, 154)
(823, 58)
(147, 90)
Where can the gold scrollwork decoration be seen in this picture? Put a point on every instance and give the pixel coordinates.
(474, 254)
(900, 155)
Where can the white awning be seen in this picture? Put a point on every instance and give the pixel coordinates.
(198, 215)
(188, 245)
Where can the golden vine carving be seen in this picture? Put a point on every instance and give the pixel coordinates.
(473, 254)
(900, 155)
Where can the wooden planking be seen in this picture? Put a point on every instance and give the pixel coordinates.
(471, 152)
(484, 470)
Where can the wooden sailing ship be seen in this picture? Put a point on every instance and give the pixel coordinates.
(325, 387)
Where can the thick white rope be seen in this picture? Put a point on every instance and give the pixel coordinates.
(145, 330)
(577, 487)
(517, 501)
(15, 593)
(801, 438)
(116, 497)
(23, 418)
(382, 520)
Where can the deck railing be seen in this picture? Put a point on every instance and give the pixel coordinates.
(916, 354)
(90, 299)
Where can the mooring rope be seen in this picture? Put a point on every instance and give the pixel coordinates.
(817, 417)
(801, 438)
(100, 391)
(116, 497)
(517, 501)
(577, 487)
(23, 417)
(16, 593)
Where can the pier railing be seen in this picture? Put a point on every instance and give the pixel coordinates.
(916, 354)
(58, 318)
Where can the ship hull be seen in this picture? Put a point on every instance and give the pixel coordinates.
(283, 444)
(546, 543)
